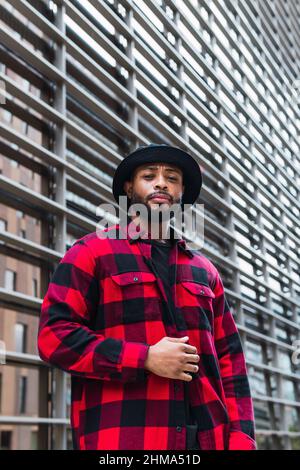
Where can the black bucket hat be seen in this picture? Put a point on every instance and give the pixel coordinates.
(153, 153)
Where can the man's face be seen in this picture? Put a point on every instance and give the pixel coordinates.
(157, 185)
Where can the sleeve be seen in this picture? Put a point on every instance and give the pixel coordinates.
(233, 373)
(66, 339)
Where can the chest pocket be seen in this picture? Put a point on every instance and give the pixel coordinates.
(198, 289)
(135, 297)
(133, 278)
(195, 300)
(195, 294)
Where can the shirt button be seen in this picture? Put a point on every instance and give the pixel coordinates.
(178, 428)
(135, 278)
(202, 291)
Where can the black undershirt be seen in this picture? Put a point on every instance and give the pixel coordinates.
(160, 257)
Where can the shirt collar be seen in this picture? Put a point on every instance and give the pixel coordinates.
(180, 242)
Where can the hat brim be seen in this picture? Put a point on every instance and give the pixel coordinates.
(192, 177)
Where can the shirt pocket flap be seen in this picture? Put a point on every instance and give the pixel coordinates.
(133, 277)
(198, 289)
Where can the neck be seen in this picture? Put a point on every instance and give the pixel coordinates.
(158, 231)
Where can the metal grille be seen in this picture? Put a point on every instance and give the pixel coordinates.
(87, 81)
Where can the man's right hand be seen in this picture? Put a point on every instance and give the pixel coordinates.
(173, 358)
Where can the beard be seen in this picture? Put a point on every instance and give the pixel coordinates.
(159, 212)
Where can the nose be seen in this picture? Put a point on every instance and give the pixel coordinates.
(160, 182)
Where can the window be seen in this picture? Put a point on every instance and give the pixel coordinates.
(0, 393)
(254, 351)
(34, 440)
(10, 279)
(20, 337)
(14, 164)
(34, 288)
(285, 360)
(288, 389)
(23, 233)
(22, 394)
(3, 224)
(5, 440)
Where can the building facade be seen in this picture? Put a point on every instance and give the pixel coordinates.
(83, 82)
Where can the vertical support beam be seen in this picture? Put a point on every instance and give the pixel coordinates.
(43, 439)
(266, 358)
(133, 113)
(59, 377)
(180, 72)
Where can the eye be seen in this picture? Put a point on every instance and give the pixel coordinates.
(172, 178)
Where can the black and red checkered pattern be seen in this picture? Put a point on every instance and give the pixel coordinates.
(103, 309)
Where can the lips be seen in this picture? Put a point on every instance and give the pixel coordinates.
(161, 197)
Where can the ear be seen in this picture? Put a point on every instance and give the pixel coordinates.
(128, 188)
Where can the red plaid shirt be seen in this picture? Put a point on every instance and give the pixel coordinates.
(103, 309)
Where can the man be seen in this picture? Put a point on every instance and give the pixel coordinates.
(144, 327)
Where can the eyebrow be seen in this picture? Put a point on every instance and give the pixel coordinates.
(153, 167)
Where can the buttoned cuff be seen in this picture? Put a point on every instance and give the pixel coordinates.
(133, 360)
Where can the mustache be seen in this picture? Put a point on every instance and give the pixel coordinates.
(160, 193)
